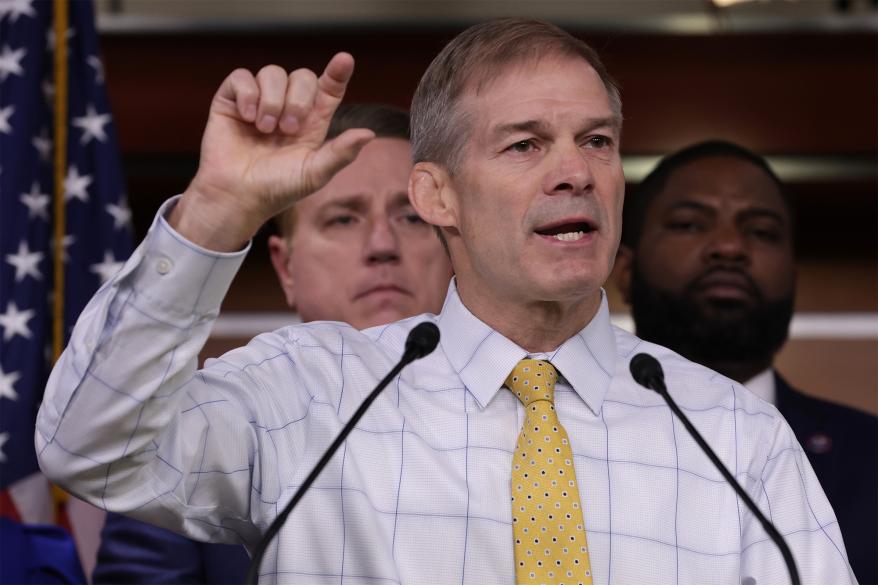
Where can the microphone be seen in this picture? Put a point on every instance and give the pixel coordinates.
(421, 340)
(647, 372)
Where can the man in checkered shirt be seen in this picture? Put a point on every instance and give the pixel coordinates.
(515, 137)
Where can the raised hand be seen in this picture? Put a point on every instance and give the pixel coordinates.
(263, 150)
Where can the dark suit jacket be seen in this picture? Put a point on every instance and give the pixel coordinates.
(842, 445)
(135, 552)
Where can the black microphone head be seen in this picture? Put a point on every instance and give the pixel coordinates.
(647, 371)
(422, 339)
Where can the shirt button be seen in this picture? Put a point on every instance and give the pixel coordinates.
(163, 266)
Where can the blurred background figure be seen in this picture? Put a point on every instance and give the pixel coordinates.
(354, 251)
(707, 265)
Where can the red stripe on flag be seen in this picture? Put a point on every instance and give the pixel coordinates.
(7, 507)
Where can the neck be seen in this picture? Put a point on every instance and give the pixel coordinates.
(536, 326)
(741, 372)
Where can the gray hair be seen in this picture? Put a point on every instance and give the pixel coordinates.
(475, 57)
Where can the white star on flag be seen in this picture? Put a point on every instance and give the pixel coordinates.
(43, 144)
(16, 8)
(5, 114)
(96, 64)
(121, 215)
(25, 262)
(92, 125)
(3, 438)
(75, 185)
(10, 62)
(108, 268)
(48, 91)
(37, 203)
(14, 322)
(7, 382)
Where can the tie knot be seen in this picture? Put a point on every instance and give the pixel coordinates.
(533, 380)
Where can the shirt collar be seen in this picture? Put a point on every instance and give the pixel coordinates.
(762, 385)
(483, 357)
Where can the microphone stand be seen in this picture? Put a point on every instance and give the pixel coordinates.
(648, 373)
(422, 340)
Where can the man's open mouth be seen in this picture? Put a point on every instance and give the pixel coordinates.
(567, 231)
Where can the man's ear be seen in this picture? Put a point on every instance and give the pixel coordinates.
(279, 249)
(622, 271)
(432, 195)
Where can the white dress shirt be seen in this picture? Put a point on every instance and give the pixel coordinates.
(762, 385)
(419, 493)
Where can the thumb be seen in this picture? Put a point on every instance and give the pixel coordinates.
(337, 153)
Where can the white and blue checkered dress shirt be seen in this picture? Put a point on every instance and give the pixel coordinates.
(420, 491)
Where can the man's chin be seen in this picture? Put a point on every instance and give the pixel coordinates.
(568, 287)
(723, 308)
(710, 329)
(723, 314)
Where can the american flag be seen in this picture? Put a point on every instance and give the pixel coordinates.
(98, 222)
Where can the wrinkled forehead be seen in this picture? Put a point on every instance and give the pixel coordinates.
(538, 90)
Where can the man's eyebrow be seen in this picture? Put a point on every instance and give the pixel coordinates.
(354, 202)
(750, 213)
(540, 127)
(691, 205)
(401, 199)
(613, 122)
(532, 126)
(760, 212)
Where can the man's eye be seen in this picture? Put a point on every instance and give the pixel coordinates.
(340, 220)
(414, 219)
(521, 146)
(768, 235)
(599, 141)
(682, 226)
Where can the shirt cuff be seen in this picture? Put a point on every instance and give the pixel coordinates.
(182, 275)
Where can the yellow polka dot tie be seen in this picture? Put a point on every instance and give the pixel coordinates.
(547, 524)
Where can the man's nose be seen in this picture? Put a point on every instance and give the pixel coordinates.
(571, 173)
(382, 242)
(727, 243)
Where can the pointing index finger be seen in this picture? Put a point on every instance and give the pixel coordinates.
(333, 82)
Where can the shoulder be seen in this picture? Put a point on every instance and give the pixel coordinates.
(744, 430)
(810, 415)
(392, 336)
(319, 347)
(314, 339)
(796, 398)
(692, 385)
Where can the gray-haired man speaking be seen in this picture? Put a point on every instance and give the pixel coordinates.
(521, 450)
